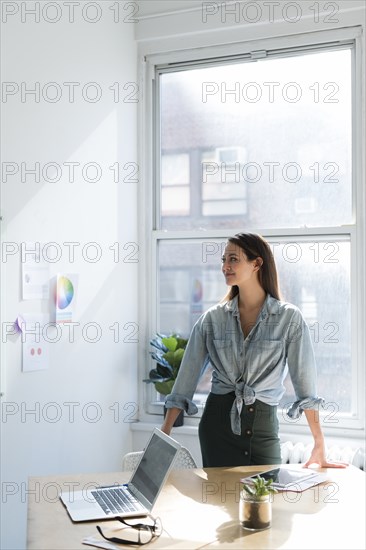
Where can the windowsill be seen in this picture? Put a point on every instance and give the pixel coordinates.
(148, 426)
(301, 433)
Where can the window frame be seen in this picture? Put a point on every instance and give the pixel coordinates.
(352, 424)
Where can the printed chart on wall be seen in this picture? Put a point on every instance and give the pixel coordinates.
(35, 352)
(65, 297)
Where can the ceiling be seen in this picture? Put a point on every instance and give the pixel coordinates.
(154, 7)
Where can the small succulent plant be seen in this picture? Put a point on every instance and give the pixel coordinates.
(260, 488)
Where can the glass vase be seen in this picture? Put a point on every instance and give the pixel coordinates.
(255, 514)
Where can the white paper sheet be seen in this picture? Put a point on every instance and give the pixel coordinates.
(35, 351)
(35, 273)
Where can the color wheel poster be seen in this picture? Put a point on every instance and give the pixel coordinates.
(65, 297)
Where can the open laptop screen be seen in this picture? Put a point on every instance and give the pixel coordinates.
(153, 467)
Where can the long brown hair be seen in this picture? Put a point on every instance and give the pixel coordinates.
(254, 246)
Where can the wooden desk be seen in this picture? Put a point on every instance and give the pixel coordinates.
(199, 509)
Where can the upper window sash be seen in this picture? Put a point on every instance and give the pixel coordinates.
(277, 46)
(155, 64)
(206, 203)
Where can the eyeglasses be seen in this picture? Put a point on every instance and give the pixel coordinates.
(143, 532)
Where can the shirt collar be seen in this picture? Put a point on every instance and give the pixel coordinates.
(271, 306)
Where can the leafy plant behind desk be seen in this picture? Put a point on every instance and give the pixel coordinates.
(168, 354)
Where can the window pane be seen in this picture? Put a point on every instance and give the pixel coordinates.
(190, 282)
(314, 275)
(175, 200)
(275, 133)
(174, 169)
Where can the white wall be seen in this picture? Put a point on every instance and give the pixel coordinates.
(99, 380)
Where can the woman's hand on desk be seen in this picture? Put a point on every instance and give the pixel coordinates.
(318, 457)
(318, 453)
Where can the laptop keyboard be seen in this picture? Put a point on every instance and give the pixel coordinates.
(117, 500)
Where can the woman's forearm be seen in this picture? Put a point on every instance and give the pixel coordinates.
(170, 418)
(312, 417)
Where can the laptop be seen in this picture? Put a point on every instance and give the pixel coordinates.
(135, 498)
(289, 479)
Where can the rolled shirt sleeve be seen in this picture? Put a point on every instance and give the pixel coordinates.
(302, 367)
(193, 362)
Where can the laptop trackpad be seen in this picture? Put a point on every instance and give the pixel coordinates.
(82, 505)
(80, 510)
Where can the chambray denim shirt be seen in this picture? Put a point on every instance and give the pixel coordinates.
(253, 367)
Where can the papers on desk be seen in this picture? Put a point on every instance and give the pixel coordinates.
(287, 479)
(93, 541)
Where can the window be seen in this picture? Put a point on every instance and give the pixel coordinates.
(272, 132)
(263, 143)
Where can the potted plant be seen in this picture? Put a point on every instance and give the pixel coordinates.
(255, 505)
(168, 354)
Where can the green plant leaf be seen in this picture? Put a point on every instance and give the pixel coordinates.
(178, 355)
(260, 487)
(170, 342)
(249, 490)
(182, 343)
(168, 354)
(172, 360)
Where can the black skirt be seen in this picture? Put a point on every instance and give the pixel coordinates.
(258, 443)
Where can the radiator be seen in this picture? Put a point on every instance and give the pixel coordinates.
(295, 453)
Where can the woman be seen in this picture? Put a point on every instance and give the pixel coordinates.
(249, 338)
